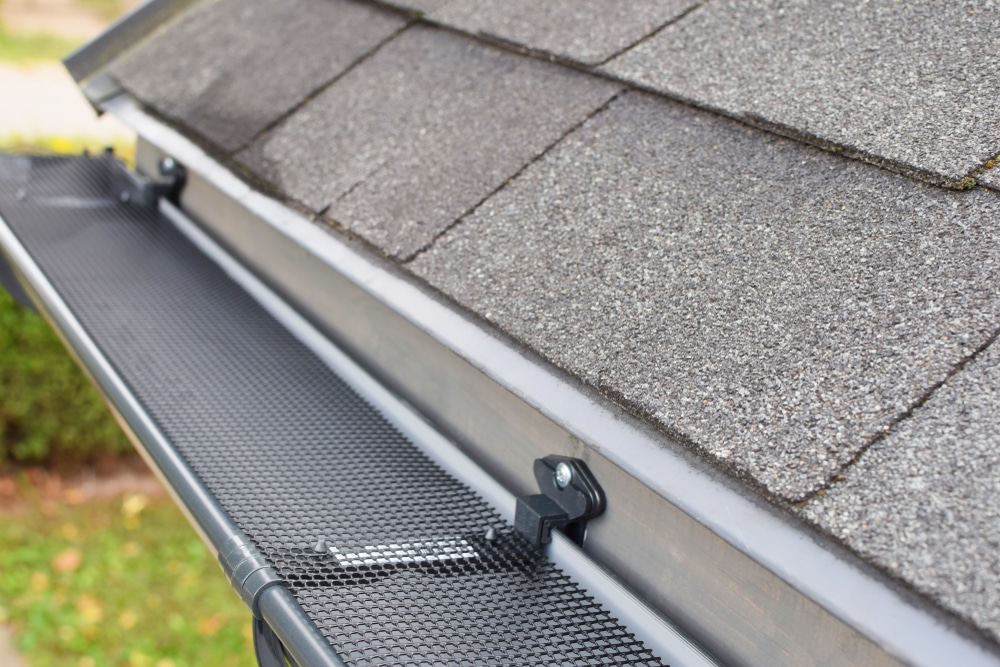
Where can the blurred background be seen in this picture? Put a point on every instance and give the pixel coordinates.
(97, 565)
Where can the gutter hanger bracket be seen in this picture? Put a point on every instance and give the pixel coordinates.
(247, 571)
(570, 497)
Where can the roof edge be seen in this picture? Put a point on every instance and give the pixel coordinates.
(124, 33)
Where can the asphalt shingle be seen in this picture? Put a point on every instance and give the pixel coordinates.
(412, 138)
(588, 31)
(991, 178)
(421, 6)
(234, 67)
(925, 502)
(776, 304)
(914, 83)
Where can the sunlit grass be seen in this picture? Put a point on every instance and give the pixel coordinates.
(122, 581)
(17, 47)
(15, 143)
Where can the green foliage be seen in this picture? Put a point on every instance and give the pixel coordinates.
(21, 47)
(120, 581)
(15, 143)
(49, 412)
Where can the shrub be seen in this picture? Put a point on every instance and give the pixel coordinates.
(49, 412)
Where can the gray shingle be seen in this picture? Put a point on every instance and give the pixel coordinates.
(588, 31)
(422, 6)
(774, 303)
(234, 67)
(414, 137)
(991, 178)
(925, 502)
(913, 82)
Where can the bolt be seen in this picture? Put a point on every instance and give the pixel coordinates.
(21, 195)
(125, 197)
(321, 546)
(168, 166)
(491, 534)
(563, 475)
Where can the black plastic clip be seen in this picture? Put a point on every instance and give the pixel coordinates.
(133, 186)
(570, 497)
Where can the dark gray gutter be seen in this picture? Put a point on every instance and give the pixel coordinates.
(251, 577)
(658, 634)
(749, 582)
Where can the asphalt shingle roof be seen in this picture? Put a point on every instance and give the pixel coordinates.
(914, 83)
(418, 134)
(233, 68)
(779, 305)
(783, 307)
(923, 502)
(588, 31)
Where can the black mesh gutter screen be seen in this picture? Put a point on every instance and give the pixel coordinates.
(287, 454)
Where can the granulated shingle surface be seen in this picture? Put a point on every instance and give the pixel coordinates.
(422, 6)
(776, 304)
(913, 82)
(412, 138)
(588, 31)
(925, 502)
(991, 178)
(231, 69)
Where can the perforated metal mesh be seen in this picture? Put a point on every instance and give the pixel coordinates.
(293, 454)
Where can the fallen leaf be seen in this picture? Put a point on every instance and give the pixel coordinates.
(128, 619)
(209, 625)
(134, 504)
(67, 561)
(74, 497)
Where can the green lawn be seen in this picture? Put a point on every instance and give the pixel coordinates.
(121, 581)
(18, 47)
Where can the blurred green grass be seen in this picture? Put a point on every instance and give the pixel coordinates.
(20, 48)
(113, 582)
(122, 581)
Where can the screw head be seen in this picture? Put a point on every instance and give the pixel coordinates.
(125, 197)
(167, 166)
(563, 475)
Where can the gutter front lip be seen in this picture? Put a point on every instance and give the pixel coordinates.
(275, 603)
(848, 589)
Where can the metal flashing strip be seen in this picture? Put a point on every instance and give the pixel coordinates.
(273, 603)
(122, 34)
(832, 608)
(663, 639)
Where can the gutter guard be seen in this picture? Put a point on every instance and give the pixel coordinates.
(228, 405)
(273, 604)
(739, 555)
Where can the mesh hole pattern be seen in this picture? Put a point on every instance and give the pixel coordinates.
(291, 452)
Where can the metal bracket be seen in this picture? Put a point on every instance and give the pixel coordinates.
(134, 186)
(247, 571)
(570, 497)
